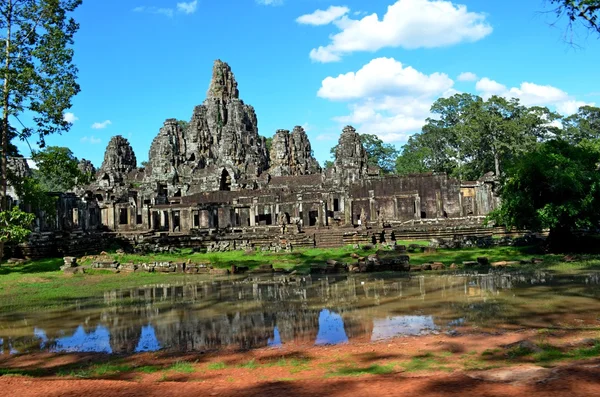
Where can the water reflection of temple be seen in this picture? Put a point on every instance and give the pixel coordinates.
(256, 312)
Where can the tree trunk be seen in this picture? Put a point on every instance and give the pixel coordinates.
(497, 164)
(1, 251)
(5, 97)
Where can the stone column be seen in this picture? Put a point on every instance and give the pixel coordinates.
(373, 216)
(348, 209)
(417, 207)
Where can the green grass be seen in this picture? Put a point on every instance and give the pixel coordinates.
(148, 369)
(216, 366)
(547, 354)
(182, 367)
(98, 371)
(249, 365)
(424, 362)
(37, 285)
(351, 370)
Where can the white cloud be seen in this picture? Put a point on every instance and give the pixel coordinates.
(387, 98)
(270, 2)
(70, 117)
(323, 17)
(91, 140)
(155, 10)
(383, 76)
(489, 87)
(407, 23)
(102, 125)
(467, 76)
(188, 8)
(571, 107)
(32, 164)
(531, 94)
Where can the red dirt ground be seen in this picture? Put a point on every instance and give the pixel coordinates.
(261, 372)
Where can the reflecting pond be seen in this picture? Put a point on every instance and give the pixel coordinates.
(277, 310)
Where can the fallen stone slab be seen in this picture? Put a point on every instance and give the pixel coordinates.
(521, 375)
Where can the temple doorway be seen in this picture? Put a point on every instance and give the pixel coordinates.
(225, 181)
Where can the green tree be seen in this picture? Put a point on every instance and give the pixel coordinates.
(379, 154)
(414, 157)
(585, 11)
(14, 227)
(557, 187)
(58, 169)
(269, 143)
(583, 125)
(183, 125)
(36, 66)
(467, 136)
(382, 155)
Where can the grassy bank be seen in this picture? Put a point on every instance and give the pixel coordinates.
(41, 284)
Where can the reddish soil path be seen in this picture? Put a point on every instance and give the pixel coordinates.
(266, 376)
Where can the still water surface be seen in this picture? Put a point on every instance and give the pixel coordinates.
(273, 311)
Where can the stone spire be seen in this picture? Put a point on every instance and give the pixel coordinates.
(351, 161)
(220, 139)
(223, 85)
(291, 154)
(119, 160)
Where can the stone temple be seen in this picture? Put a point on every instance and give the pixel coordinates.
(213, 182)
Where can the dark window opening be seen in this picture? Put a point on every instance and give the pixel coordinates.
(176, 220)
(445, 214)
(99, 197)
(423, 215)
(265, 219)
(165, 218)
(192, 157)
(162, 190)
(336, 204)
(123, 216)
(147, 202)
(178, 193)
(225, 184)
(138, 219)
(312, 218)
(196, 219)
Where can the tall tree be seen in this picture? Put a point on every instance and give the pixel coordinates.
(556, 187)
(583, 125)
(382, 155)
(58, 169)
(36, 66)
(413, 158)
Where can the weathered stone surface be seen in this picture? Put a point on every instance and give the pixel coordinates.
(86, 167)
(119, 160)
(351, 161)
(18, 168)
(291, 154)
(219, 148)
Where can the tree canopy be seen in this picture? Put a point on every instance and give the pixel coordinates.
(556, 186)
(467, 136)
(583, 11)
(36, 66)
(58, 169)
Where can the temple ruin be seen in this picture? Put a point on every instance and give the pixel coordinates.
(214, 183)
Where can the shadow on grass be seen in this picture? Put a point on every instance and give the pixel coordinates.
(37, 266)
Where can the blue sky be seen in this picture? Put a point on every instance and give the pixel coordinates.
(377, 65)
